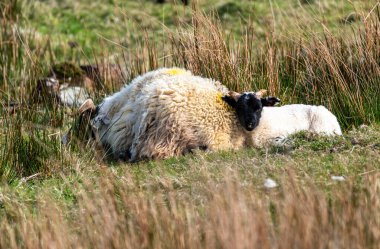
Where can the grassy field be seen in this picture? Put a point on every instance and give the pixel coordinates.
(304, 51)
(122, 22)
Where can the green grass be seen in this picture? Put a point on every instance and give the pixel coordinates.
(91, 22)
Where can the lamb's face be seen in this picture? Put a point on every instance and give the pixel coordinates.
(248, 110)
(248, 107)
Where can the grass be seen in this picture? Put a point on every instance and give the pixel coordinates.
(91, 22)
(215, 200)
(302, 51)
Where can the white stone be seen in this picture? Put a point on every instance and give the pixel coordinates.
(338, 178)
(270, 183)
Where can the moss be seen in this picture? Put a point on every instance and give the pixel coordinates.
(66, 70)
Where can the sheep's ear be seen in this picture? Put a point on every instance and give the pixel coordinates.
(232, 98)
(234, 95)
(261, 93)
(87, 106)
(270, 101)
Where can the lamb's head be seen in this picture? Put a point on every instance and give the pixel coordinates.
(248, 106)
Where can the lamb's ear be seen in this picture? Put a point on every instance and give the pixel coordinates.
(232, 98)
(261, 93)
(270, 101)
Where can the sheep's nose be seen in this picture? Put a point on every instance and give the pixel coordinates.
(250, 126)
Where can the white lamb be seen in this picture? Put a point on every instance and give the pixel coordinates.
(277, 123)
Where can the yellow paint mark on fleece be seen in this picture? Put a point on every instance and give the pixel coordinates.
(175, 71)
(220, 101)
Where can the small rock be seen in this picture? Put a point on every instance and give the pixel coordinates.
(338, 178)
(270, 183)
(66, 138)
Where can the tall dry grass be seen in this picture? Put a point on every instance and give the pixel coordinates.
(114, 212)
(341, 72)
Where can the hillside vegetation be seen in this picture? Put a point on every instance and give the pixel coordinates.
(303, 51)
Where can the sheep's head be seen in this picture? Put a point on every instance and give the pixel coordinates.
(249, 105)
(82, 129)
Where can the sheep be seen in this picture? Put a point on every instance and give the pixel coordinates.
(169, 112)
(122, 104)
(277, 123)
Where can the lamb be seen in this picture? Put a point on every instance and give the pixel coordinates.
(169, 112)
(277, 123)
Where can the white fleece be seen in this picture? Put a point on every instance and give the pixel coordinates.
(277, 123)
(166, 113)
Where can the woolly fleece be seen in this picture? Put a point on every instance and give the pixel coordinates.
(277, 123)
(169, 112)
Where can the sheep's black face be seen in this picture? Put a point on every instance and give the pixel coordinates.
(248, 110)
(248, 107)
